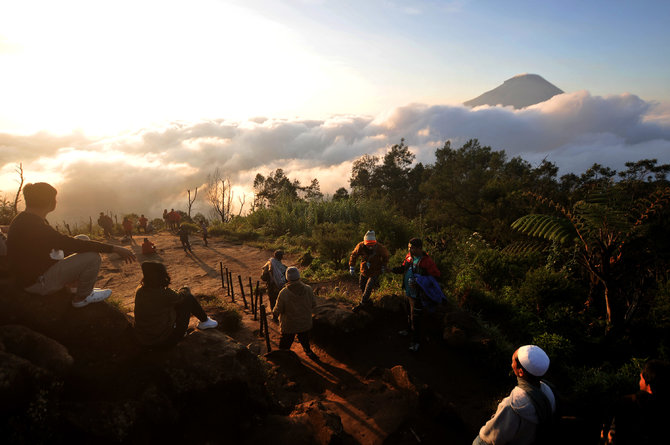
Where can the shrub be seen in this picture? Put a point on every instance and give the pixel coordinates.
(543, 287)
(333, 241)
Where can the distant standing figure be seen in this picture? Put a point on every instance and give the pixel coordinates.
(166, 219)
(528, 409)
(148, 248)
(640, 418)
(106, 223)
(205, 233)
(294, 308)
(374, 258)
(127, 227)
(183, 237)
(142, 224)
(161, 314)
(274, 274)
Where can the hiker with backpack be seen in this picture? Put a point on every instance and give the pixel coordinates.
(526, 415)
(374, 258)
(422, 291)
(274, 275)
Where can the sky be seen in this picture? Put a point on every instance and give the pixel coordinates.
(125, 105)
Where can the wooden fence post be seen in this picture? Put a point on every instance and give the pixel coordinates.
(227, 283)
(239, 278)
(251, 296)
(232, 289)
(264, 322)
(223, 284)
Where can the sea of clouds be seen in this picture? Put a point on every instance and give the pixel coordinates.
(152, 168)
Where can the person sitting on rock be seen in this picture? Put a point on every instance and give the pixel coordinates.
(162, 314)
(640, 418)
(148, 248)
(294, 309)
(525, 415)
(37, 252)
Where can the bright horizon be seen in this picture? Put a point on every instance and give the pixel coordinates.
(309, 85)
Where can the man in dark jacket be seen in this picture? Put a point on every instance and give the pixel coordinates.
(640, 418)
(43, 260)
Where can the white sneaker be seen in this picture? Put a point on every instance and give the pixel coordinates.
(414, 347)
(95, 296)
(207, 324)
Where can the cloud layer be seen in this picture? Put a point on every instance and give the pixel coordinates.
(151, 169)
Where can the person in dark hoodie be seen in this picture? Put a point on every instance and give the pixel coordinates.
(162, 314)
(640, 418)
(529, 407)
(294, 309)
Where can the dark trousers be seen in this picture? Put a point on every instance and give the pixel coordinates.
(185, 308)
(367, 285)
(185, 244)
(414, 308)
(286, 340)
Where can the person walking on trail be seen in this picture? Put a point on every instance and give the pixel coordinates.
(422, 291)
(106, 223)
(161, 314)
(127, 228)
(43, 261)
(274, 274)
(294, 308)
(639, 419)
(205, 233)
(142, 223)
(374, 259)
(523, 417)
(183, 237)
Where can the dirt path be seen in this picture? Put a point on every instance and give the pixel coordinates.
(338, 380)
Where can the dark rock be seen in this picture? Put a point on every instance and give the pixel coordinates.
(335, 323)
(461, 329)
(325, 424)
(40, 350)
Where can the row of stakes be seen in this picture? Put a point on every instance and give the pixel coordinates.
(255, 295)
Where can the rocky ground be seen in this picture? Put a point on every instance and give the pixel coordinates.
(222, 386)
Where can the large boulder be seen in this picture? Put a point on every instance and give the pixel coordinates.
(338, 324)
(38, 349)
(463, 330)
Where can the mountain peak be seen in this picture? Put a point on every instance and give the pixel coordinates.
(520, 91)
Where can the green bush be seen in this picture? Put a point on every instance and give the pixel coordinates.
(333, 241)
(543, 288)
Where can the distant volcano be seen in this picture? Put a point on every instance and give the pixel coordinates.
(522, 90)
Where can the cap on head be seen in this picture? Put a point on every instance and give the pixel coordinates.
(82, 236)
(292, 274)
(416, 242)
(533, 359)
(370, 238)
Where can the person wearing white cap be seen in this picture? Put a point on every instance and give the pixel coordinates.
(524, 415)
(374, 258)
